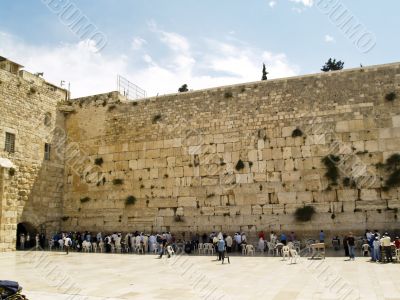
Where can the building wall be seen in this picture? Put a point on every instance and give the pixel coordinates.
(34, 193)
(177, 154)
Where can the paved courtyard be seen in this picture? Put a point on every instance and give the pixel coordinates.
(54, 275)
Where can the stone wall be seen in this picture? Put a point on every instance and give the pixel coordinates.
(177, 155)
(34, 193)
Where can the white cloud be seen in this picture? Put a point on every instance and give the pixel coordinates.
(272, 4)
(329, 39)
(307, 3)
(138, 43)
(90, 73)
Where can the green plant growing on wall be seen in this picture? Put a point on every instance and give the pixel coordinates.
(332, 172)
(392, 165)
(264, 73)
(32, 90)
(297, 133)
(85, 199)
(98, 161)
(390, 96)
(156, 118)
(304, 214)
(183, 88)
(130, 200)
(240, 165)
(11, 171)
(118, 181)
(332, 65)
(228, 95)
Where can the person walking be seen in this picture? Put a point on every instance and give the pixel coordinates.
(221, 249)
(352, 245)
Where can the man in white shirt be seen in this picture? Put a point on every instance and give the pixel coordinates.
(387, 247)
(229, 243)
(238, 240)
(67, 244)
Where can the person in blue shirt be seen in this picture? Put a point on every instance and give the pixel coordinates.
(283, 238)
(322, 237)
(221, 249)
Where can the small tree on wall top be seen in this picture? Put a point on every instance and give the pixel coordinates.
(332, 65)
(183, 88)
(264, 73)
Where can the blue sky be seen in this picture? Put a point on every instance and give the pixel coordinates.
(159, 44)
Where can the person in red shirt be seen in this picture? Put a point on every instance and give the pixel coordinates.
(397, 242)
(261, 235)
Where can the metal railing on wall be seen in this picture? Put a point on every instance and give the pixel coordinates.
(129, 90)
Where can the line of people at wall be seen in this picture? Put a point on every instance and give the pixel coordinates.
(381, 248)
(27, 242)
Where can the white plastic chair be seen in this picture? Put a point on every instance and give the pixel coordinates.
(297, 246)
(364, 248)
(200, 248)
(398, 255)
(209, 248)
(170, 250)
(94, 247)
(244, 249)
(271, 248)
(293, 256)
(285, 252)
(250, 249)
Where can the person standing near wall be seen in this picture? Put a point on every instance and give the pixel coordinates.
(376, 251)
(22, 241)
(67, 243)
(387, 247)
(221, 249)
(352, 245)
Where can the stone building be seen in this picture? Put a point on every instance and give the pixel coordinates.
(242, 157)
(31, 175)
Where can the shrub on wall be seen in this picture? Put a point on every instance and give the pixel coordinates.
(98, 161)
(11, 171)
(304, 214)
(240, 165)
(297, 132)
(85, 199)
(118, 181)
(332, 172)
(130, 200)
(392, 165)
(228, 95)
(390, 96)
(156, 118)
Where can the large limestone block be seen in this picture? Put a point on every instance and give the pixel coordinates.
(369, 194)
(287, 197)
(187, 201)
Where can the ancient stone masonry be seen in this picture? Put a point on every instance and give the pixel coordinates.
(241, 157)
(31, 191)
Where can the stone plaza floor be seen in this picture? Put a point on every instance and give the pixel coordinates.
(78, 276)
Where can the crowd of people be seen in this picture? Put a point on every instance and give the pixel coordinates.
(378, 247)
(381, 248)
